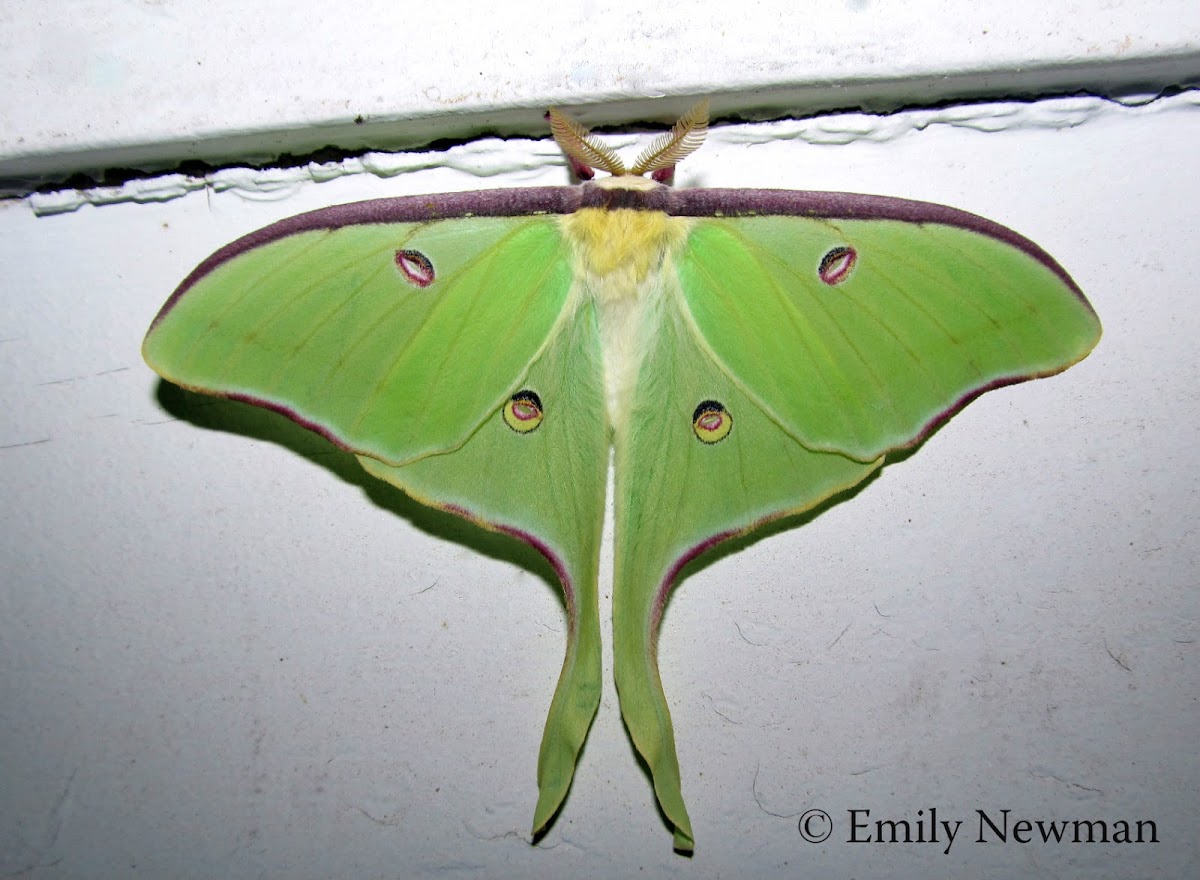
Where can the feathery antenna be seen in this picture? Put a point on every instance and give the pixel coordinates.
(667, 150)
(585, 151)
(582, 146)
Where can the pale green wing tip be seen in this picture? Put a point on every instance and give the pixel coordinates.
(670, 799)
(566, 729)
(561, 744)
(556, 768)
(549, 801)
(576, 699)
(556, 765)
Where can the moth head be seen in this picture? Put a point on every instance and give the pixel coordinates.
(586, 153)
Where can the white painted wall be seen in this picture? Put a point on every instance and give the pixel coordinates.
(227, 653)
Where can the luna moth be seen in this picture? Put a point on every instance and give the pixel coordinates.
(744, 355)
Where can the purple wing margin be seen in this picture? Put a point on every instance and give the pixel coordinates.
(521, 202)
(678, 203)
(850, 206)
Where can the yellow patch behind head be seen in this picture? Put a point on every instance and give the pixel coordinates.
(619, 248)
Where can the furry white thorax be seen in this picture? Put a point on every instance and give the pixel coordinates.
(627, 327)
(623, 263)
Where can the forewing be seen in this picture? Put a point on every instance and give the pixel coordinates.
(394, 340)
(861, 335)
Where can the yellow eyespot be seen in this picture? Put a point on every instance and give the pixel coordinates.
(523, 413)
(711, 422)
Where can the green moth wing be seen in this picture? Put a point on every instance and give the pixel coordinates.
(392, 337)
(874, 323)
(670, 469)
(793, 352)
(433, 348)
(513, 480)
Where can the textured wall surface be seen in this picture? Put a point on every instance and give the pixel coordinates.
(148, 83)
(227, 652)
